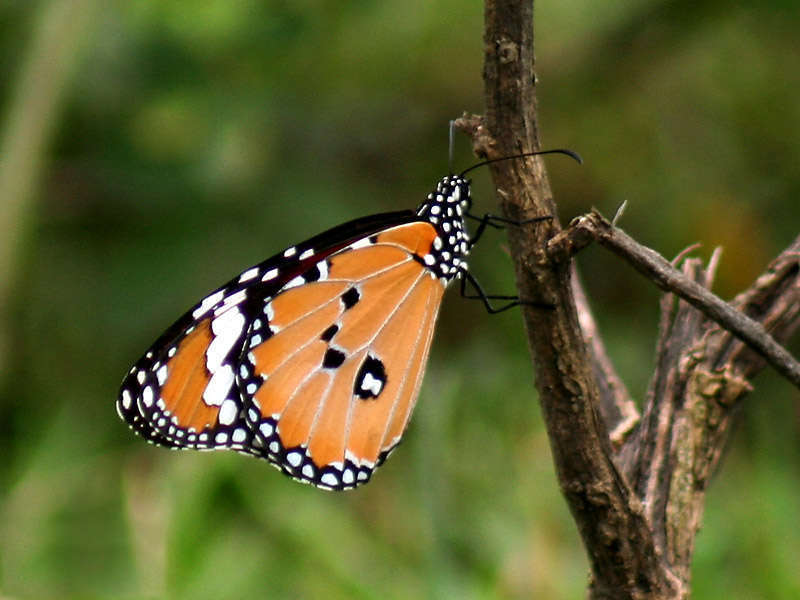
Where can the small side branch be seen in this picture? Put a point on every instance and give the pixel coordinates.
(594, 226)
(615, 405)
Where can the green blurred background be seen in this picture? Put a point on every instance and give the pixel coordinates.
(150, 150)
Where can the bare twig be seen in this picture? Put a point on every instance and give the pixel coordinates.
(616, 405)
(663, 274)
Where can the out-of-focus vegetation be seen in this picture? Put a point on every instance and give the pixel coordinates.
(191, 139)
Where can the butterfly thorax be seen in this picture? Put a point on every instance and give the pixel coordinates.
(445, 208)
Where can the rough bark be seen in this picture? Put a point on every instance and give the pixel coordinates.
(635, 487)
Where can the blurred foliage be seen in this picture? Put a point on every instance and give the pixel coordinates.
(196, 138)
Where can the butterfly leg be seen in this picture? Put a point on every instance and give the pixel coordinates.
(497, 222)
(479, 294)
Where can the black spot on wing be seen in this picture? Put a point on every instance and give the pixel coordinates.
(313, 274)
(333, 358)
(350, 298)
(328, 334)
(371, 378)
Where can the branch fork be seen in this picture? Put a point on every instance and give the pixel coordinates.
(635, 483)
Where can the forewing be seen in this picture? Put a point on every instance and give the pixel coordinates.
(332, 365)
(184, 392)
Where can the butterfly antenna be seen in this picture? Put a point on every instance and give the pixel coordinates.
(569, 153)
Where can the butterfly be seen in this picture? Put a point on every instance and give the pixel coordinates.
(313, 359)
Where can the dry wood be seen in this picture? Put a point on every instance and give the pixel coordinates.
(637, 493)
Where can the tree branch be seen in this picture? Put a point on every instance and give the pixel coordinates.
(616, 406)
(637, 509)
(610, 518)
(663, 274)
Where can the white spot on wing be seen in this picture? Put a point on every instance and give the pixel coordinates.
(207, 303)
(322, 266)
(126, 399)
(227, 412)
(270, 275)
(294, 282)
(227, 328)
(329, 479)
(371, 384)
(362, 243)
(218, 386)
(147, 396)
(294, 458)
(306, 254)
(161, 374)
(248, 275)
(289, 252)
(231, 300)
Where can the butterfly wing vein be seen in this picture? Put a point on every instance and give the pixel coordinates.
(317, 369)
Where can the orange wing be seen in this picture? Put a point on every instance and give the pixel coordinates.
(334, 368)
(184, 392)
(312, 358)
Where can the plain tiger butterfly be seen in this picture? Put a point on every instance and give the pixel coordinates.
(312, 359)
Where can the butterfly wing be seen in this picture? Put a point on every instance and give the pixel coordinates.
(183, 392)
(333, 365)
(312, 359)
